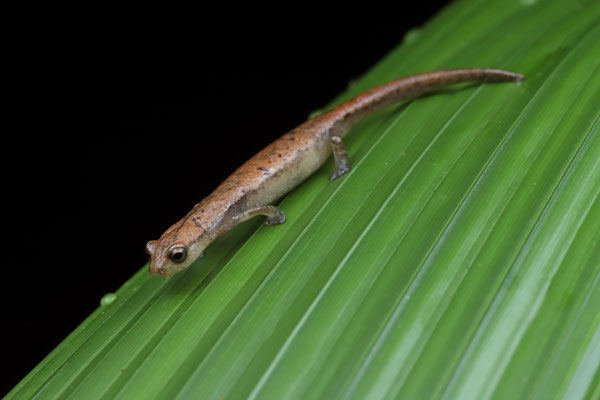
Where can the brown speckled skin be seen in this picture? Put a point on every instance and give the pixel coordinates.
(289, 160)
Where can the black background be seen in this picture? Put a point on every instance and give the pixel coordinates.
(124, 123)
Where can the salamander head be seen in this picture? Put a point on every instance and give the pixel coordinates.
(173, 253)
(185, 241)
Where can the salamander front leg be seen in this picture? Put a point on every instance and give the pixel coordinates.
(274, 215)
(342, 163)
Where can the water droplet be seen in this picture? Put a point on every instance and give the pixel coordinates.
(411, 36)
(107, 299)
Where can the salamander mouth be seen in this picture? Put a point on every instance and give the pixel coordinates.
(159, 271)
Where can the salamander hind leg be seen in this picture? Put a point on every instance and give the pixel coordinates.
(342, 163)
(274, 215)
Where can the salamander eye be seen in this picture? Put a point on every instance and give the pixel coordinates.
(178, 254)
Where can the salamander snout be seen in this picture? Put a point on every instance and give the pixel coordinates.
(156, 266)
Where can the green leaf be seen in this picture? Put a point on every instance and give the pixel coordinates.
(459, 258)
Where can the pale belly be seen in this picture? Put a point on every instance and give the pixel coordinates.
(291, 174)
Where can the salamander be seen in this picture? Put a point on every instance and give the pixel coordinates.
(253, 188)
